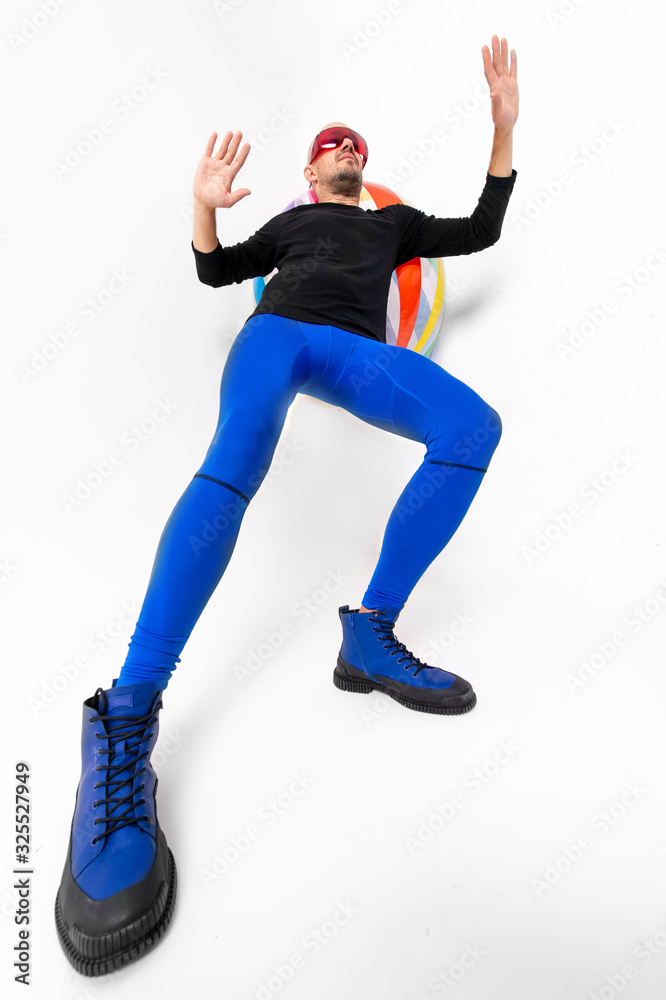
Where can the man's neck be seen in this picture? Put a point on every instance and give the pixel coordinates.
(338, 200)
(326, 196)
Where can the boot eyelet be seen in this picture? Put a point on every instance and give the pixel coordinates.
(95, 804)
(95, 822)
(93, 841)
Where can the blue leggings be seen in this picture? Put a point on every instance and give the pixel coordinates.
(269, 362)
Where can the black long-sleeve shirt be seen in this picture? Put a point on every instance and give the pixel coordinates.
(335, 261)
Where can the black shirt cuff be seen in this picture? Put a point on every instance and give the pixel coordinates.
(205, 253)
(496, 181)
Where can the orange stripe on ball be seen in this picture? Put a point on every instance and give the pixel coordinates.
(409, 285)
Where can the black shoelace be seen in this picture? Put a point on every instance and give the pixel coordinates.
(386, 632)
(133, 732)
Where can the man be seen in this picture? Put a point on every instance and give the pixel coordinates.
(318, 327)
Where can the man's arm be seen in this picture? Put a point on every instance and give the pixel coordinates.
(502, 153)
(212, 187)
(205, 228)
(504, 103)
(217, 265)
(254, 257)
(428, 236)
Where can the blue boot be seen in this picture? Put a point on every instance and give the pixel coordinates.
(367, 662)
(118, 887)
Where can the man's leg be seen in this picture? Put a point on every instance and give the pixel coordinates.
(118, 887)
(407, 394)
(267, 363)
(410, 395)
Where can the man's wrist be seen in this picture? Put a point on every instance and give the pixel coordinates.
(201, 208)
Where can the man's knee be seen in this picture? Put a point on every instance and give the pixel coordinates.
(475, 438)
(485, 432)
(493, 423)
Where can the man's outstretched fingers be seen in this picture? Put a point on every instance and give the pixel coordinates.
(232, 148)
(497, 62)
(210, 144)
(504, 54)
(235, 143)
(497, 52)
(224, 145)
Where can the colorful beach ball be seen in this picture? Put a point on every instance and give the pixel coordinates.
(415, 308)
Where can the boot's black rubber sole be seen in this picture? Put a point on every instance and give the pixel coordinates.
(104, 953)
(347, 678)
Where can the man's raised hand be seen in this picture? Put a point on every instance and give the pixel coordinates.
(503, 84)
(215, 173)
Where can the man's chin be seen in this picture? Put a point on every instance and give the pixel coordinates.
(347, 182)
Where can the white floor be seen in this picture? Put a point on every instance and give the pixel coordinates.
(331, 844)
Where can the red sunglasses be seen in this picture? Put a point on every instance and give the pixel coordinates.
(331, 138)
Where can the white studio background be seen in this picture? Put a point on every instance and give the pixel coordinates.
(516, 852)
